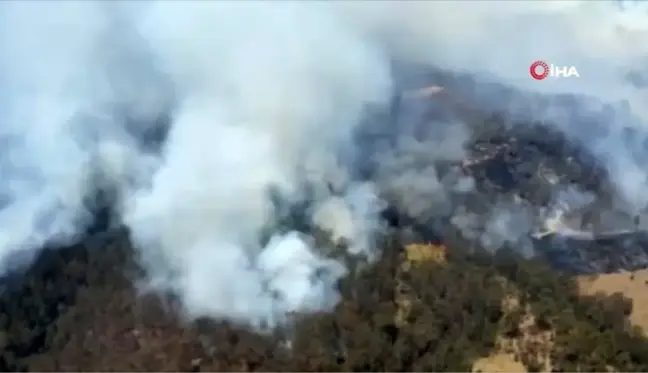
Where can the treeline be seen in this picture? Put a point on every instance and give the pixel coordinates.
(592, 333)
(402, 314)
(456, 313)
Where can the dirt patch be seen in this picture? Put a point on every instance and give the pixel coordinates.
(404, 295)
(520, 339)
(499, 363)
(633, 285)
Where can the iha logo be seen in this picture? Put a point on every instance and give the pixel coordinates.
(540, 70)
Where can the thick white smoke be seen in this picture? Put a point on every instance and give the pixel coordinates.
(262, 100)
(499, 41)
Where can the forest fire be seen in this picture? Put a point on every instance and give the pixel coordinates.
(508, 164)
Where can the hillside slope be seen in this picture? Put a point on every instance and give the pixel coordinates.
(459, 309)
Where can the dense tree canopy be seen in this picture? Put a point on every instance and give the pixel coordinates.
(439, 310)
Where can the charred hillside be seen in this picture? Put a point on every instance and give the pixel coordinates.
(510, 167)
(420, 307)
(533, 162)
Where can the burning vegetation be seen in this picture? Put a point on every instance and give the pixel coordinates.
(470, 292)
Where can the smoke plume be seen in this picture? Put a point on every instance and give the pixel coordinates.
(227, 133)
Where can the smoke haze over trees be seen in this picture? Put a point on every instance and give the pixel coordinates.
(259, 155)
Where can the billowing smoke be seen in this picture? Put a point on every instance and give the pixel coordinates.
(226, 133)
